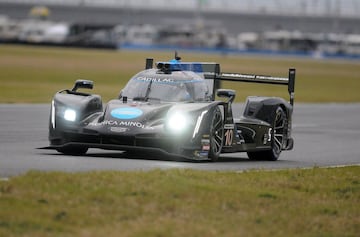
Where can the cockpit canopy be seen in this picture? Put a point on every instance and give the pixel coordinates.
(179, 86)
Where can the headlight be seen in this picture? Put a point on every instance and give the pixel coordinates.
(177, 122)
(70, 115)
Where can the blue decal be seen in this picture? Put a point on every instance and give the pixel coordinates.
(175, 65)
(126, 113)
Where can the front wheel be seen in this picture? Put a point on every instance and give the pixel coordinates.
(278, 133)
(216, 135)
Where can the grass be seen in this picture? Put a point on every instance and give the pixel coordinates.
(314, 202)
(33, 74)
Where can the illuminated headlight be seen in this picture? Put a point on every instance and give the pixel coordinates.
(70, 115)
(177, 122)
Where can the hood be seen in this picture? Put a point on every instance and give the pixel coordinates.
(135, 117)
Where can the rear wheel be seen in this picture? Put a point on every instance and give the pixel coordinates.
(216, 135)
(278, 133)
(73, 150)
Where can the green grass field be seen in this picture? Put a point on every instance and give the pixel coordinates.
(34, 74)
(315, 202)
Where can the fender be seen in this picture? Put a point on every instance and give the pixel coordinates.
(262, 107)
(83, 104)
(201, 115)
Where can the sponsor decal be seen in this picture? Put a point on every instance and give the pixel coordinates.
(118, 123)
(118, 129)
(201, 154)
(205, 147)
(253, 77)
(154, 79)
(126, 113)
(229, 126)
(167, 80)
(205, 144)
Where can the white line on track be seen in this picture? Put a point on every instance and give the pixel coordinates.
(299, 168)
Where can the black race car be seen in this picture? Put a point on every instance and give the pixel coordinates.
(172, 109)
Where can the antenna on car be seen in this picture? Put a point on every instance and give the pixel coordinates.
(149, 63)
(177, 57)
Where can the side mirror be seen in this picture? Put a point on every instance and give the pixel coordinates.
(86, 84)
(230, 94)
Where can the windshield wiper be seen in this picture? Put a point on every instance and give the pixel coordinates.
(148, 90)
(145, 99)
(140, 98)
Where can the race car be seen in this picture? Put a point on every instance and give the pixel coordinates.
(176, 109)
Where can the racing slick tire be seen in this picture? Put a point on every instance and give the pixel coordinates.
(73, 150)
(278, 133)
(216, 135)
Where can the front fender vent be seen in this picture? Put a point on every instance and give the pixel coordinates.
(250, 111)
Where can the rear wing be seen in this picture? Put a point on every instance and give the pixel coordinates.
(211, 71)
(289, 81)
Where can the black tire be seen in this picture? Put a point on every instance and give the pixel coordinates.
(216, 135)
(278, 135)
(73, 150)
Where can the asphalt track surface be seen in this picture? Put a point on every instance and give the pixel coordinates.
(325, 135)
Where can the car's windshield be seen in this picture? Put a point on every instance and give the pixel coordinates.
(167, 87)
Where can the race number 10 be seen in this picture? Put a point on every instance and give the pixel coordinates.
(229, 133)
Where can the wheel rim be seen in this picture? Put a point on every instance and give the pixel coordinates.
(279, 131)
(217, 133)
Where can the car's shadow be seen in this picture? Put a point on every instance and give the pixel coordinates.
(235, 157)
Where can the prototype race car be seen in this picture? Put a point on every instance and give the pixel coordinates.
(172, 109)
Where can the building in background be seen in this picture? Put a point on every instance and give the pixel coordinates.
(318, 27)
(319, 8)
